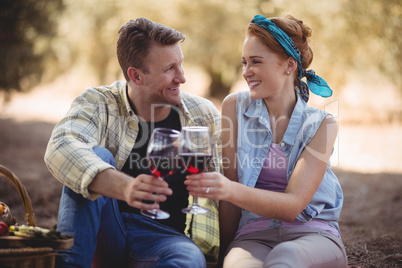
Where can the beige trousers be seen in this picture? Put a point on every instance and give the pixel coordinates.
(295, 247)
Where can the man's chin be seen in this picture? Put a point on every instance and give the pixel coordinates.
(168, 102)
(174, 100)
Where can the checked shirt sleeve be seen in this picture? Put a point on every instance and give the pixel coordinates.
(69, 156)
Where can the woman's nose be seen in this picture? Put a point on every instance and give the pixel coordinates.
(246, 71)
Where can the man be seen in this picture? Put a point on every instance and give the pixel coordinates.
(97, 151)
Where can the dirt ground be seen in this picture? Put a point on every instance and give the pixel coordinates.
(371, 220)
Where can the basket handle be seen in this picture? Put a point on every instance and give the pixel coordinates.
(26, 201)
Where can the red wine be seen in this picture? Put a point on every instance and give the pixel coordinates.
(195, 163)
(162, 166)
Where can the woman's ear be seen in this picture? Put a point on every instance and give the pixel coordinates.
(135, 75)
(291, 65)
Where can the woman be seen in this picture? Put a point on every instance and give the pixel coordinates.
(280, 201)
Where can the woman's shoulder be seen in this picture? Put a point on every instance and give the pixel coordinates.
(241, 99)
(312, 114)
(230, 99)
(316, 120)
(229, 105)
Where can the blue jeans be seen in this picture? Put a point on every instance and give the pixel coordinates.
(105, 238)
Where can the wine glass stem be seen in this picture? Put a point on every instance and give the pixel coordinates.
(157, 202)
(195, 201)
(195, 198)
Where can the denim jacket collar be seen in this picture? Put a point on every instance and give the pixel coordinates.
(259, 110)
(296, 121)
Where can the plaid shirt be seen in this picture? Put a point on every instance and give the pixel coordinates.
(103, 117)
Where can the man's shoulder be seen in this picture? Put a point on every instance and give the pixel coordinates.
(187, 97)
(190, 100)
(113, 90)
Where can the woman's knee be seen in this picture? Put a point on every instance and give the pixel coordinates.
(286, 254)
(247, 256)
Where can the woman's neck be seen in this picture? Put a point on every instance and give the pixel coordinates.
(280, 110)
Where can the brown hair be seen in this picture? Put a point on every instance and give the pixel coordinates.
(135, 39)
(295, 29)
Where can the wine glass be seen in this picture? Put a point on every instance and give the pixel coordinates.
(195, 154)
(161, 155)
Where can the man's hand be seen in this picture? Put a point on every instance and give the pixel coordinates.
(146, 187)
(118, 185)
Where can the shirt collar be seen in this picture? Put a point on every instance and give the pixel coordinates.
(295, 122)
(257, 109)
(122, 88)
(186, 119)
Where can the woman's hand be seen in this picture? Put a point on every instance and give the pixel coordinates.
(212, 185)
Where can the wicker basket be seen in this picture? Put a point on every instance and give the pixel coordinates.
(36, 257)
(26, 201)
(27, 257)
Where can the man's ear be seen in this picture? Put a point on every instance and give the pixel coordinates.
(135, 75)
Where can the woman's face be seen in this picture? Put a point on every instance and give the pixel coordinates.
(263, 70)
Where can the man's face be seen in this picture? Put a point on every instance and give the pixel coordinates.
(164, 76)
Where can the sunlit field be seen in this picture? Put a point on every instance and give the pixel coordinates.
(357, 50)
(362, 146)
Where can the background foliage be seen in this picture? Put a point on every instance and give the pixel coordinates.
(27, 28)
(41, 39)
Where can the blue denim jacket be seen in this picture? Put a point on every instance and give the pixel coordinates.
(254, 140)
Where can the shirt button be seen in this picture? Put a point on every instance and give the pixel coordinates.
(282, 144)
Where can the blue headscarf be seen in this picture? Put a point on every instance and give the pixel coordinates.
(316, 84)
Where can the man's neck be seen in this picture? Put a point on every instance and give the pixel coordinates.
(148, 112)
(156, 114)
